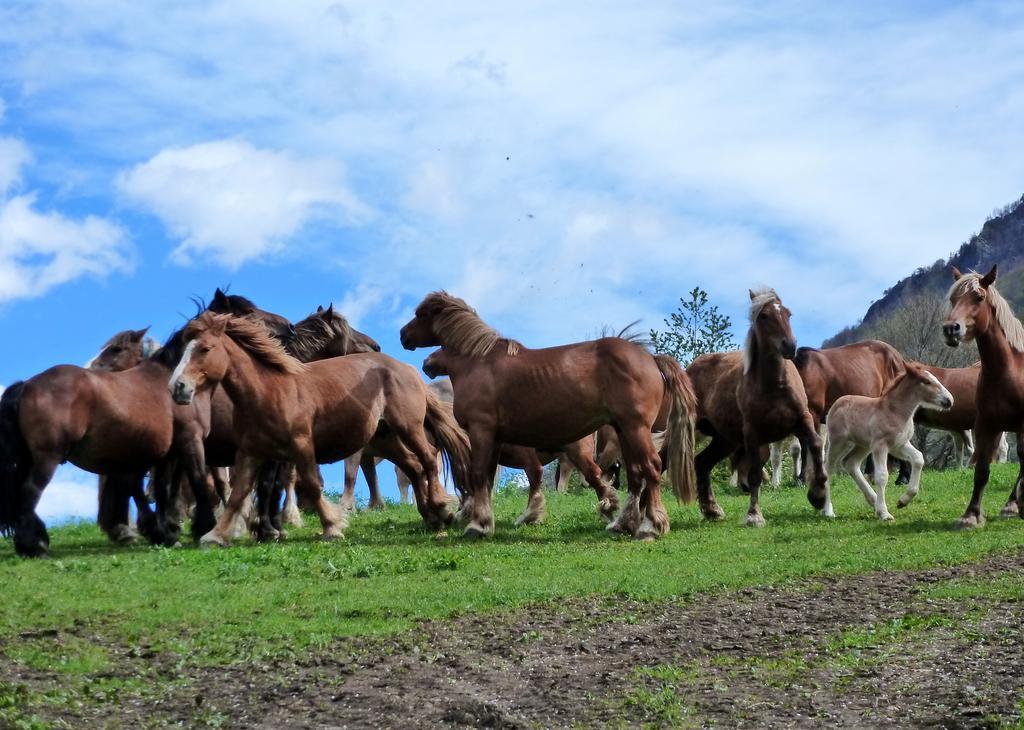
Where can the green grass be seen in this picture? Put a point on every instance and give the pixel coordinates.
(254, 602)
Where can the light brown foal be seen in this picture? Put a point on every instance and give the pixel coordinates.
(860, 425)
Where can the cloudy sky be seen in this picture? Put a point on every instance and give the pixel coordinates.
(559, 165)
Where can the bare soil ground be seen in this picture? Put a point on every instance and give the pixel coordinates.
(861, 651)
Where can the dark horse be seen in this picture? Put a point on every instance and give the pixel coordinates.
(978, 312)
(508, 393)
(751, 399)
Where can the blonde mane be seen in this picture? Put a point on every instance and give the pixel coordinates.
(252, 336)
(761, 299)
(1011, 326)
(460, 328)
(314, 332)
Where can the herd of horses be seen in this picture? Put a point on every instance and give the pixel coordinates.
(237, 410)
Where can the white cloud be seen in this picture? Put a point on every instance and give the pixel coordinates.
(234, 202)
(364, 299)
(43, 249)
(555, 164)
(72, 494)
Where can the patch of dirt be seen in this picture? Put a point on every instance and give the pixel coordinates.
(803, 655)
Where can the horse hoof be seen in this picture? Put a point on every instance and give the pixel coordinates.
(713, 513)
(529, 518)
(972, 522)
(817, 499)
(378, 505)
(212, 539)
(755, 521)
(477, 531)
(441, 535)
(1010, 510)
(647, 532)
(332, 533)
(124, 535)
(886, 517)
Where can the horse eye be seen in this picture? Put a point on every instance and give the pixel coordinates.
(115, 350)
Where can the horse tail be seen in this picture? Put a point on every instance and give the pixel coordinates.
(451, 440)
(15, 457)
(682, 428)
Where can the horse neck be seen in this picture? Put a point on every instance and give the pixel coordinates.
(768, 368)
(901, 400)
(246, 379)
(996, 354)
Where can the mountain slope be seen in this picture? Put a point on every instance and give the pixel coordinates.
(1000, 241)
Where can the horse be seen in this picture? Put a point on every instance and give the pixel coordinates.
(861, 368)
(958, 421)
(318, 412)
(544, 398)
(791, 446)
(93, 420)
(749, 399)
(978, 312)
(861, 425)
(580, 454)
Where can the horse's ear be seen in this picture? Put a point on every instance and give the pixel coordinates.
(137, 335)
(219, 297)
(990, 278)
(956, 274)
(753, 296)
(330, 309)
(319, 308)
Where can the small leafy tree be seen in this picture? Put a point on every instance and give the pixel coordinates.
(695, 328)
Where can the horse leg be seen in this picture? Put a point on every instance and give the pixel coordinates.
(348, 496)
(655, 522)
(795, 454)
(909, 453)
(310, 483)
(578, 456)
(563, 471)
(291, 515)
(535, 503)
(716, 450)
(483, 462)
(112, 516)
(242, 477)
(640, 517)
(1012, 506)
(881, 475)
(1002, 449)
(403, 482)
(369, 466)
(776, 459)
(752, 450)
(984, 448)
(808, 433)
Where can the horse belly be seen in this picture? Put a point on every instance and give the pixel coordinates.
(337, 437)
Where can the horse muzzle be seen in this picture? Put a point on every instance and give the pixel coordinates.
(182, 393)
(788, 349)
(953, 333)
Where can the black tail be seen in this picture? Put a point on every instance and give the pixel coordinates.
(15, 458)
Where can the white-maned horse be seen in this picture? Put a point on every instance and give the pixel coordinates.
(859, 425)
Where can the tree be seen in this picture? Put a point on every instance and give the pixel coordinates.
(695, 328)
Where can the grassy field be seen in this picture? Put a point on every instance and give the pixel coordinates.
(258, 602)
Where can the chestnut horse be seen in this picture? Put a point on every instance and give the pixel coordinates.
(320, 412)
(862, 368)
(544, 398)
(579, 454)
(749, 399)
(978, 312)
(962, 383)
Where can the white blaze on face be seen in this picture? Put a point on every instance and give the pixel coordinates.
(179, 371)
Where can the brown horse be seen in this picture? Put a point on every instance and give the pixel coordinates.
(962, 383)
(747, 400)
(508, 393)
(94, 420)
(862, 368)
(978, 312)
(579, 454)
(319, 412)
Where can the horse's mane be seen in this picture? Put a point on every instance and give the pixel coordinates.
(803, 354)
(251, 335)
(1011, 326)
(315, 331)
(460, 328)
(628, 334)
(758, 301)
(171, 351)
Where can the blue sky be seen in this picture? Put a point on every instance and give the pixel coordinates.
(561, 166)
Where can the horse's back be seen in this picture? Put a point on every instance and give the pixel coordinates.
(715, 379)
